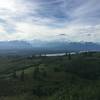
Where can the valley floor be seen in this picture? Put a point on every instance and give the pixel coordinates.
(67, 77)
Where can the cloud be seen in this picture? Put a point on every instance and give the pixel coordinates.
(69, 20)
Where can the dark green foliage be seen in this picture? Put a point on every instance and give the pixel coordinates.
(69, 56)
(14, 75)
(88, 54)
(71, 77)
(38, 91)
(44, 73)
(22, 75)
(56, 69)
(87, 68)
(36, 73)
(66, 54)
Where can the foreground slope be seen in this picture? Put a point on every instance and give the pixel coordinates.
(70, 77)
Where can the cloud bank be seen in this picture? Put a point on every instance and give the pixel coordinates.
(69, 20)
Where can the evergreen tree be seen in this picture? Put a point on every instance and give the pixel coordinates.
(14, 75)
(36, 73)
(22, 75)
(69, 56)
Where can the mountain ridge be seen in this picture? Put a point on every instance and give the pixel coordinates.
(43, 46)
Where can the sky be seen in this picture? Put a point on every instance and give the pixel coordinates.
(50, 20)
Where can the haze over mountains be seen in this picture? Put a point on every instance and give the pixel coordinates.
(46, 47)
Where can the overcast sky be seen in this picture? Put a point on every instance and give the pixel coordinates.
(70, 20)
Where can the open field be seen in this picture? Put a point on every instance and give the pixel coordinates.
(69, 77)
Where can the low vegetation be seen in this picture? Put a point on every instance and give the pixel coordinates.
(69, 77)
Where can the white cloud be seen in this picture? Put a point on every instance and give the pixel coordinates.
(29, 31)
(16, 15)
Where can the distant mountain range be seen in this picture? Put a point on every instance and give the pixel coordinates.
(47, 47)
(10, 45)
